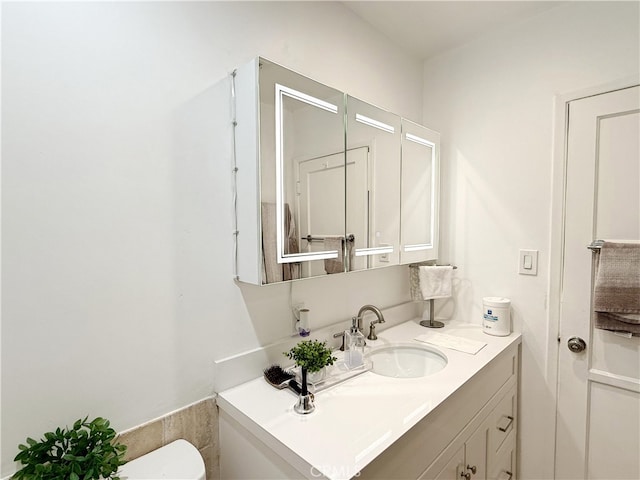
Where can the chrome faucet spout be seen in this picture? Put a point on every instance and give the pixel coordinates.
(378, 314)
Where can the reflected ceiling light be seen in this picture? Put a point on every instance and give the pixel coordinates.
(420, 140)
(415, 248)
(361, 252)
(374, 123)
(303, 97)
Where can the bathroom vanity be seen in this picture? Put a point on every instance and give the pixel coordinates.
(460, 422)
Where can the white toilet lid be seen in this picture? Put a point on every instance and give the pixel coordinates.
(178, 460)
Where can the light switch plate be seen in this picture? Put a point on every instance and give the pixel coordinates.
(528, 262)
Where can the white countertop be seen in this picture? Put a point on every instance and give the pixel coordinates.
(357, 420)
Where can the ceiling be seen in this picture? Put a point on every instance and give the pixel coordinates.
(428, 28)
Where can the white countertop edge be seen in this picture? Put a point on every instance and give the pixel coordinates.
(263, 435)
(292, 436)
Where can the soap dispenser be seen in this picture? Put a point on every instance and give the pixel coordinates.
(354, 345)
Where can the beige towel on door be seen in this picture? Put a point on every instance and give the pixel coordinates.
(290, 271)
(274, 271)
(616, 294)
(334, 265)
(271, 269)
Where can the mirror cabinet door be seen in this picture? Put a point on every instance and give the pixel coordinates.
(302, 184)
(419, 193)
(326, 183)
(372, 185)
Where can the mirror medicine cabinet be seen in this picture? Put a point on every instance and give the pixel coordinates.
(326, 183)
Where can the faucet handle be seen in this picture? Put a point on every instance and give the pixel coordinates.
(337, 335)
(372, 331)
(372, 328)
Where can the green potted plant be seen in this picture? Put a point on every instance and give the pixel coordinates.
(87, 451)
(311, 356)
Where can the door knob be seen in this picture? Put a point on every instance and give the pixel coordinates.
(576, 344)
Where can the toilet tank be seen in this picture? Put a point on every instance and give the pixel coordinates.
(178, 460)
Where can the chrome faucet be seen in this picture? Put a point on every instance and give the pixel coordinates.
(372, 327)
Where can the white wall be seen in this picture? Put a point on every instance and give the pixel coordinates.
(493, 101)
(117, 246)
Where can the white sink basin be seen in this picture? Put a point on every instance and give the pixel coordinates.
(406, 360)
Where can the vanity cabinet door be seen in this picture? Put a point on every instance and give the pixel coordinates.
(503, 463)
(452, 470)
(475, 449)
(469, 462)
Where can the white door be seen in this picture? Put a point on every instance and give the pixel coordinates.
(358, 204)
(598, 418)
(321, 193)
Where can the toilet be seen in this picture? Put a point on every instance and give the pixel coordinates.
(179, 460)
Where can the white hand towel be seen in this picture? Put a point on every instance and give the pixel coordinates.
(435, 281)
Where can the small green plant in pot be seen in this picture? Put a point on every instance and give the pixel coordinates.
(87, 451)
(310, 356)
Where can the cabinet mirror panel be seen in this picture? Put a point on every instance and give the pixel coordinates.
(372, 185)
(326, 183)
(419, 193)
(302, 164)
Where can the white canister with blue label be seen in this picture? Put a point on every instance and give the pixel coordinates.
(496, 316)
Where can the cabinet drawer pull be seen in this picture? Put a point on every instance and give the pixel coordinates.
(505, 475)
(473, 469)
(506, 427)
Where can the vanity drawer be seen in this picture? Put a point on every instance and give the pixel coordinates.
(503, 420)
(503, 464)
